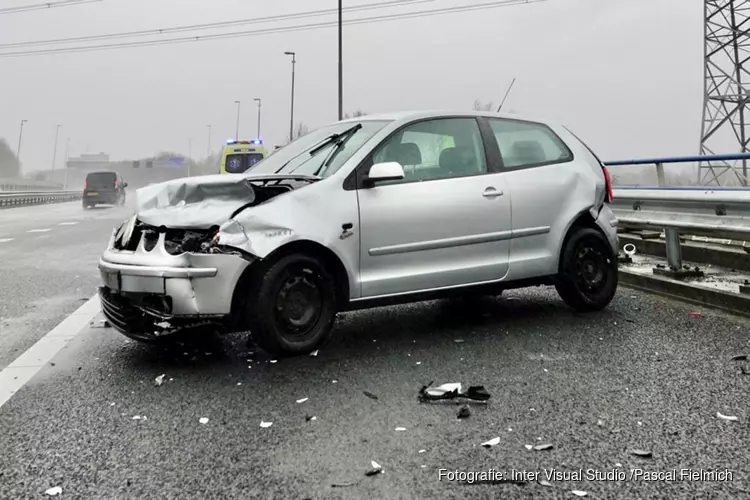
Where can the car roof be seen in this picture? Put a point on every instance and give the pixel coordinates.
(102, 172)
(422, 114)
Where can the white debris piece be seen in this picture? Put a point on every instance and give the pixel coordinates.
(419, 362)
(314, 353)
(528, 446)
(376, 466)
(159, 380)
(266, 424)
(164, 324)
(203, 420)
(422, 451)
(727, 417)
(491, 442)
(111, 404)
(273, 361)
(53, 492)
(579, 493)
(302, 400)
(239, 383)
(400, 429)
(443, 389)
(137, 417)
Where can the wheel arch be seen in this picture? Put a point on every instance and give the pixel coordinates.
(584, 220)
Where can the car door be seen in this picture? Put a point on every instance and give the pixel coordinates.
(446, 224)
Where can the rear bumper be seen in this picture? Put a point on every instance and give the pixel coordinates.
(101, 197)
(608, 223)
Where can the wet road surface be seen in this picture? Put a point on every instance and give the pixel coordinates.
(644, 374)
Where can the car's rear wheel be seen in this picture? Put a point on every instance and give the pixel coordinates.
(86, 205)
(588, 271)
(292, 306)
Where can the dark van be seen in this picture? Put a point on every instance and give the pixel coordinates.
(103, 188)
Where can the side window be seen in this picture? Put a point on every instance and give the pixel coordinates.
(435, 149)
(525, 144)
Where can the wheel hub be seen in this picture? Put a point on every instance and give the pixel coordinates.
(299, 303)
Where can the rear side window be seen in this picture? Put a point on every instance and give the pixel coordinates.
(101, 179)
(528, 144)
(237, 164)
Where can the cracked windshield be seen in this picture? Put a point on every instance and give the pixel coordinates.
(355, 249)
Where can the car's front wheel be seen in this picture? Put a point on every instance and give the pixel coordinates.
(588, 271)
(293, 305)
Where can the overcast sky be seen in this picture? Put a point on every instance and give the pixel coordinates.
(625, 75)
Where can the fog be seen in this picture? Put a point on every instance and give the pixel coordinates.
(626, 76)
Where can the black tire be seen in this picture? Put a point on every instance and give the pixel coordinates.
(292, 305)
(86, 206)
(588, 271)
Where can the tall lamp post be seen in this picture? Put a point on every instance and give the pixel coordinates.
(54, 151)
(341, 61)
(291, 121)
(208, 147)
(258, 100)
(237, 130)
(20, 138)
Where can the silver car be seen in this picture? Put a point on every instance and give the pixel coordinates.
(370, 211)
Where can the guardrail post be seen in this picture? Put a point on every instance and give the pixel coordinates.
(674, 250)
(660, 175)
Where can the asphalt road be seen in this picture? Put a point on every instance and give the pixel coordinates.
(48, 258)
(644, 374)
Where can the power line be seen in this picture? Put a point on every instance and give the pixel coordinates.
(282, 29)
(45, 5)
(214, 25)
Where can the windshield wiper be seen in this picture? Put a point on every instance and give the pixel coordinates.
(338, 147)
(318, 147)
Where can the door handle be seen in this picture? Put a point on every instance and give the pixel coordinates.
(491, 192)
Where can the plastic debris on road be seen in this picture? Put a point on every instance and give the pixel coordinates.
(265, 424)
(54, 491)
(642, 453)
(400, 429)
(579, 493)
(694, 314)
(138, 417)
(314, 353)
(422, 451)
(544, 482)
(730, 418)
(368, 394)
(203, 420)
(491, 442)
(458, 341)
(376, 469)
(464, 412)
(102, 324)
(310, 418)
(740, 357)
(542, 447)
(452, 391)
(159, 380)
(529, 446)
(273, 361)
(302, 400)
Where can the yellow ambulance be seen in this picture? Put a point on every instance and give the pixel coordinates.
(240, 156)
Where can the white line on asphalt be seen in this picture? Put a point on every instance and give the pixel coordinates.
(38, 230)
(67, 224)
(19, 372)
(6, 240)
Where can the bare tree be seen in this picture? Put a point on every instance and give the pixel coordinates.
(483, 106)
(356, 114)
(9, 165)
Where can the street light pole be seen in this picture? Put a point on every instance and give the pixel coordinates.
(54, 152)
(208, 147)
(341, 61)
(18, 150)
(237, 130)
(257, 99)
(291, 121)
(190, 155)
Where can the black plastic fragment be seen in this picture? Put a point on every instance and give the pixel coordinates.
(370, 395)
(464, 412)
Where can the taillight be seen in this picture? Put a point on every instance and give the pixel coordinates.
(608, 182)
(85, 184)
(115, 183)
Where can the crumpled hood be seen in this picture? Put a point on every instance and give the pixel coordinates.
(193, 202)
(198, 202)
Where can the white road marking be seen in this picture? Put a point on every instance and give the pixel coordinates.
(38, 230)
(19, 372)
(6, 240)
(67, 224)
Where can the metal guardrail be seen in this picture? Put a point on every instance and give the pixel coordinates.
(701, 211)
(9, 200)
(23, 185)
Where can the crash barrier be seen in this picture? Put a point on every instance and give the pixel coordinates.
(712, 212)
(10, 200)
(17, 185)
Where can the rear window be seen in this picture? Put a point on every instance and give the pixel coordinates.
(101, 179)
(237, 164)
(527, 144)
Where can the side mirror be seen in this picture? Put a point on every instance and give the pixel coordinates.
(388, 171)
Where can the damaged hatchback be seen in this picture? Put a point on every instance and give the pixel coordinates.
(369, 211)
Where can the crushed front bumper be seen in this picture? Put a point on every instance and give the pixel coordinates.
(145, 287)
